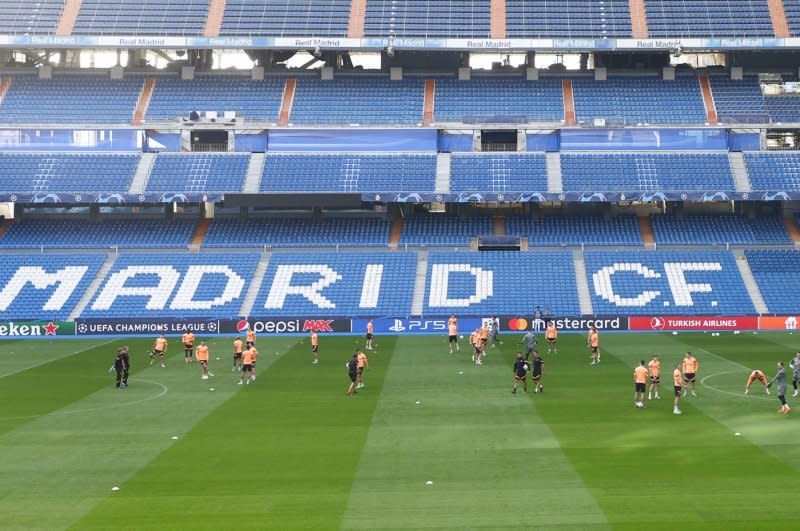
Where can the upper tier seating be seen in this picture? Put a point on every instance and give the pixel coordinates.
(30, 17)
(84, 233)
(443, 230)
(198, 172)
(40, 297)
(646, 172)
(774, 171)
(792, 9)
(498, 100)
(145, 17)
(304, 18)
(739, 101)
(574, 18)
(289, 232)
(666, 283)
(352, 172)
(575, 230)
(640, 100)
(500, 283)
(708, 18)
(427, 18)
(784, 108)
(66, 172)
(498, 172)
(254, 100)
(344, 284)
(70, 99)
(719, 229)
(175, 285)
(776, 275)
(362, 101)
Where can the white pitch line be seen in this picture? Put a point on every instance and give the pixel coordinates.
(731, 393)
(45, 362)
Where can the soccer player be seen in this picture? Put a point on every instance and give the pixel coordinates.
(159, 347)
(640, 384)
(520, 373)
(677, 381)
(551, 335)
(756, 375)
(538, 371)
(593, 341)
(452, 333)
(254, 350)
(484, 335)
(690, 366)
(494, 331)
(188, 345)
(363, 365)
(795, 365)
(237, 354)
(654, 368)
(118, 367)
(537, 319)
(315, 347)
(370, 334)
(780, 377)
(250, 338)
(126, 365)
(352, 371)
(247, 366)
(475, 339)
(530, 343)
(202, 358)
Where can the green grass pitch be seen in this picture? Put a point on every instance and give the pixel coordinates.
(291, 451)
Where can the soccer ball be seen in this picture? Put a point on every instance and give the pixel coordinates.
(461, 336)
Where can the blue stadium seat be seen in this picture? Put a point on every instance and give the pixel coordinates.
(708, 18)
(443, 230)
(776, 275)
(293, 18)
(719, 229)
(27, 17)
(289, 232)
(773, 171)
(498, 172)
(739, 101)
(568, 19)
(145, 17)
(66, 172)
(427, 18)
(198, 172)
(576, 230)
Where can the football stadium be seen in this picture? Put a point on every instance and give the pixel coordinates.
(372, 264)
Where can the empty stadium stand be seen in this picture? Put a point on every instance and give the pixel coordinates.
(498, 172)
(576, 230)
(570, 19)
(666, 283)
(646, 172)
(443, 230)
(719, 229)
(639, 100)
(498, 100)
(84, 233)
(174, 284)
(427, 18)
(500, 283)
(792, 9)
(708, 18)
(739, 101)
(352, 172)
(66, 172)
(784, 108)
(775, 272)
(145, 17)
(30, 17)
(288, 232)
(344, 284)
(774, 171)
(44, 286)
(198, 172)
(70, 99)
(361, 100)
(253, 100)
(306, 18)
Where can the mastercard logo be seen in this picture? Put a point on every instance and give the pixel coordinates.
(518, 324)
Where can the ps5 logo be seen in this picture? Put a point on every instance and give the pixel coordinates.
(397, 326)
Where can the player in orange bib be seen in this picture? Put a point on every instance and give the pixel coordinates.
(247, 366)
(640, 384)
(654, 368)
(159, 348)
(593, 341)
(551, 336)
(370, 334)
(202, 358)
(690, 366)
(315, 347)
(188, 345)
(757, 375)
(484, 337)
(677, 381)
(475, 340)
(250, 338)
(452, 333)
(254, 350)
(238, 347)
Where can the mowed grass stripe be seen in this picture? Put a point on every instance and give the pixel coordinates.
(21, 355)
(650, 467)
(280, 454)
(493, 462)
(58, 466)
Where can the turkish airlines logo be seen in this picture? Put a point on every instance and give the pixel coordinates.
(657, 323)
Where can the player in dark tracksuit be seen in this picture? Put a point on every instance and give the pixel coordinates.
(119, 367)
(520, 373)
(126, 366)
(352, 371)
